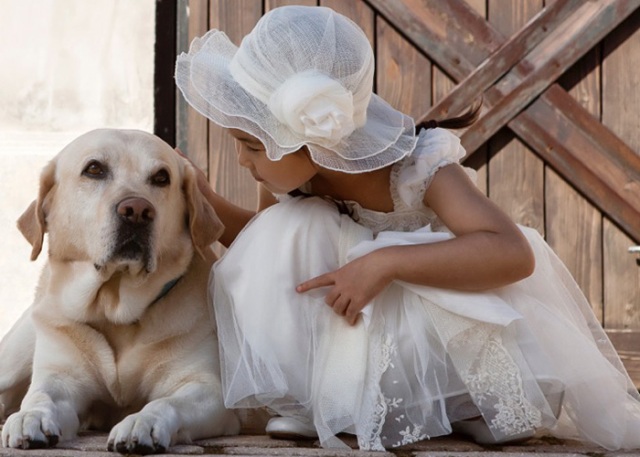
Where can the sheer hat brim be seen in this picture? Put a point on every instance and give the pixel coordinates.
(204, 77)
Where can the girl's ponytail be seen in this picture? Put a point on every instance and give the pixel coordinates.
(459, 122)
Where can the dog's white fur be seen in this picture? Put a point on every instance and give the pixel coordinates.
(101, 344)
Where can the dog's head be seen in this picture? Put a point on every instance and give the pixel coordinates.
(123, 200)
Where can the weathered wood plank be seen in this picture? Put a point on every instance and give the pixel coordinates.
(358, 11)
(271, 4)
(622, 280)
(503, 59)
(620, 94)
(624, 164)
(587, 154)
(403, 74)
(620, 102)
(443, 85)
(450, 32)
(516, 180)
(627, 344)
(516, 175)
(574, 231)
(235, 18)
(228, 178)
(573, 225)
(192, 133)
(583, 82)
(557, 52)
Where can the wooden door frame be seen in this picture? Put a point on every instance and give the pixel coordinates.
(165, 52)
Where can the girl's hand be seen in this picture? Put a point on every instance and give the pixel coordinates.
(353, 286)
(203, 182)
(233, 217)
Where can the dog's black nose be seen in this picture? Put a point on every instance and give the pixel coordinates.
(136, 210)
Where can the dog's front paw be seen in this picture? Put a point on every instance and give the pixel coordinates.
(33, 429)
(140, 433)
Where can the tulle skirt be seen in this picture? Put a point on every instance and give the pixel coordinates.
(420, 358)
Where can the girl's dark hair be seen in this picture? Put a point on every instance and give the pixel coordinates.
(459, 122)
(343, 208)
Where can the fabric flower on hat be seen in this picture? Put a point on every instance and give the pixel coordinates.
(314, 106)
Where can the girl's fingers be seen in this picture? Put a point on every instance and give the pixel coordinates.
(315, 283)
(331, 298)
(352, 320)
(353, 312)
(340, 306)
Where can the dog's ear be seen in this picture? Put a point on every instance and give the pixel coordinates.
(204, 225)
(33, 222)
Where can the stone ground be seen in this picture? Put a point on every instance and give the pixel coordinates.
(94, 445)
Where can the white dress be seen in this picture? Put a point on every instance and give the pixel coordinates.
(421, 358)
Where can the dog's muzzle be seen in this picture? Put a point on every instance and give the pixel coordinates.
(133, 235)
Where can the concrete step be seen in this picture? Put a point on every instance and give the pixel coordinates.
(90, 444)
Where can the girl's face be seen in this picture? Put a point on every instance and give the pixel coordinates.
(281, 176)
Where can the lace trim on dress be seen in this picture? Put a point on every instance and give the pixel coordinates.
(388, 408)
(409, 180)
(403, 218)
(410, 436)
(412, 433)
(495, 380)
(375, 423)
(492, 377)
(394, 180)
(408, 221)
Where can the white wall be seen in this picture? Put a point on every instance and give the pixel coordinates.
(68, 66)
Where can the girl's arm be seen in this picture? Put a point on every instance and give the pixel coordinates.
(233, 217)
(488, 251)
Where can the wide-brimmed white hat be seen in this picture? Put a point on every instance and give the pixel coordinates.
(302, 77)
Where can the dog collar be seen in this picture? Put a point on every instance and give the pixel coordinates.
(166, 289)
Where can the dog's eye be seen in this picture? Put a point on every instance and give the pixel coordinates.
(95, 170)
(160, 179)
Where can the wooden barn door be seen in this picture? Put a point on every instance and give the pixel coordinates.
(557, 143)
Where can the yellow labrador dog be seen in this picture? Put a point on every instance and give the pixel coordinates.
(120, 331)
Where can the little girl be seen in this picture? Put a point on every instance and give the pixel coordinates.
(377, 292)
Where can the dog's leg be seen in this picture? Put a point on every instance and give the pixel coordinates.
(59, 390)
(193, 411)
(46, 415)
(41, 421)
(16, 360)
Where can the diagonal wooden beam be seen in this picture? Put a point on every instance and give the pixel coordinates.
(502, 60)
(431, 26)
(587, 154)
(449, 32)
(585, 28)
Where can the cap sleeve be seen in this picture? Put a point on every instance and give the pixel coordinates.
(435, 149)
